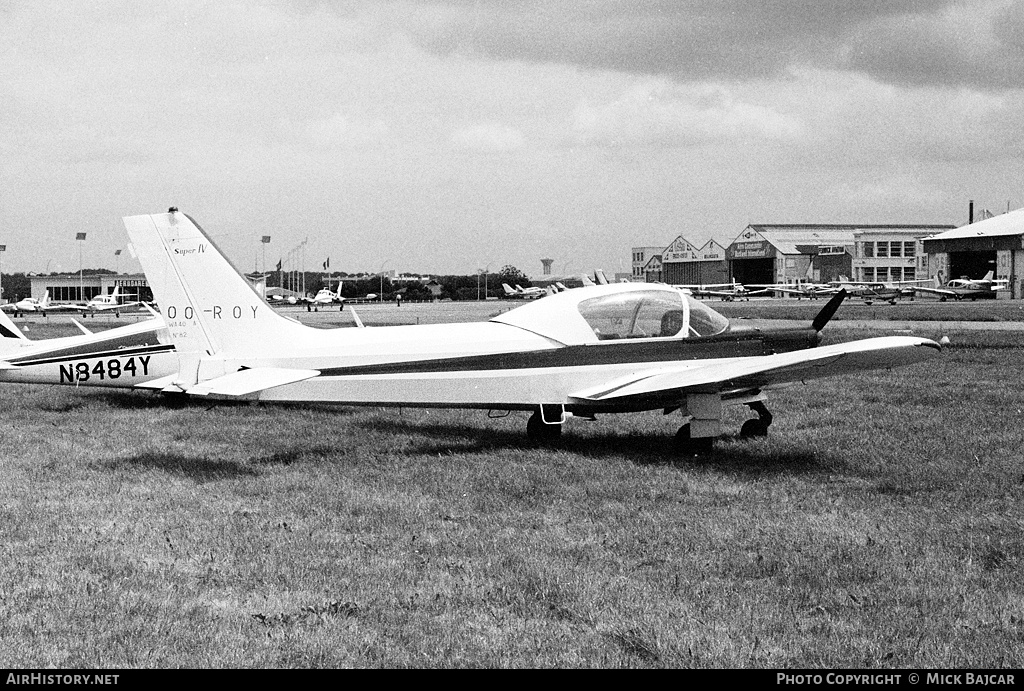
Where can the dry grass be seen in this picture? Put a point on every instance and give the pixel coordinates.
(878, 526)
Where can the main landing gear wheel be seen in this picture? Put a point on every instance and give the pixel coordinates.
(541, 432)
(688, 446)
(758, 426)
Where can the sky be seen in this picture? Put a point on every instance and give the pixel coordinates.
(450, 136)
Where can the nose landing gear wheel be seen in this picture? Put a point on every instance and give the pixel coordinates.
(757, 427)
(685, 445)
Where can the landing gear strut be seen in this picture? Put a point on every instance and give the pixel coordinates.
(757, 427)
(545, 425)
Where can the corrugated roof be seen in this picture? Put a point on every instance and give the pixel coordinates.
(1011, 223)
(785, 238)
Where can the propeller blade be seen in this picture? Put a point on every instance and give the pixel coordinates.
(828, 311)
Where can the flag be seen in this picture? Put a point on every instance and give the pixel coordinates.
(266, 239)
(79, 236)
(279, 264)
(327, 264)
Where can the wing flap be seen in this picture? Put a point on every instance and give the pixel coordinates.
(248, 381)
(767, 370)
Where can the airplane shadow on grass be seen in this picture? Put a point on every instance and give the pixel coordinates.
(143, 400)
(199, 468)
(744, 457)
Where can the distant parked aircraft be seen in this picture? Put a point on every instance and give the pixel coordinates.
(725, 291)
(967, 288)
(520, 292)
(107, 303)
(32, 305)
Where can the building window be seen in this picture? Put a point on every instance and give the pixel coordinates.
(883, 249)
(895, 249)
(867, 249)
(909, 248)
(909, 274)
(869, 273)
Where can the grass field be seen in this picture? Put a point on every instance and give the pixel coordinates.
(879, 525)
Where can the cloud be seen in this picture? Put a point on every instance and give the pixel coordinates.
(977, 45)
(489, 137)
(340, 130)
(659, 112)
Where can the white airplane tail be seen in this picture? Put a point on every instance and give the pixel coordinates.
(10, 330)
(209, 307)
(508, 289)
(989, 276)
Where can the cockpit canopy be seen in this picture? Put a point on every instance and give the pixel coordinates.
(618, 311)
(654, 314)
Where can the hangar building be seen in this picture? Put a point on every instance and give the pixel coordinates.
(892, 254)
(768, 253)
(84, 287)
(641, 257)
(685, 263)
(995, 244)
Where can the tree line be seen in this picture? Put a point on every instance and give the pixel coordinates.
(18, 285)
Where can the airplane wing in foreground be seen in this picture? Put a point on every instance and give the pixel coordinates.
(768, 370)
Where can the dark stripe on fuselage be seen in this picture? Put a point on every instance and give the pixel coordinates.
(50, 358)
(728, 345)
(99, 347)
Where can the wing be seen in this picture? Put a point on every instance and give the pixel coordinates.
(719, 376)
(936, 291)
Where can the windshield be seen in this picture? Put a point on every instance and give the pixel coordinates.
(650, 314)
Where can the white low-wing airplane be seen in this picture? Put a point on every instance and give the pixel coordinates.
(524, 293)
(967, 288)
(32, 305)
(137, 355)
(613, 348)
(326, 296)
(108, 303)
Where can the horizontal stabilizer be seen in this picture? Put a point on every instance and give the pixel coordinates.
(767, 370)
(161, 384)
(248, 381)
(6, 365)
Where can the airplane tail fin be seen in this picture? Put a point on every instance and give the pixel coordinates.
(599, 276)
(989, 276)
(10, 330)
(508, 289)
(208, 306)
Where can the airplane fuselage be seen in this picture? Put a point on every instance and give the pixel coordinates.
(492, 366)
(132, 356)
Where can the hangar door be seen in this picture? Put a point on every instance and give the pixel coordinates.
(753, 270)
(971, 264)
